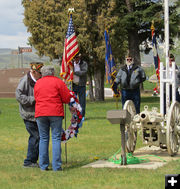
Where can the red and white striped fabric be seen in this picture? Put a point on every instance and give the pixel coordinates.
(71, 48)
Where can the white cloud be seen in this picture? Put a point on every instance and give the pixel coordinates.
(13, 41)
(13, 32)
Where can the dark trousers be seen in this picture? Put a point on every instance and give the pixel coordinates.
(33, 142)
(131, 94)
(81, 92)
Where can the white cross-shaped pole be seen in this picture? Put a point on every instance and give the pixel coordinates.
(172, 181)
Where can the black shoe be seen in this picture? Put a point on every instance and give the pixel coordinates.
(31, 165)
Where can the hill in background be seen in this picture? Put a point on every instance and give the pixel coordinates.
(10, 60)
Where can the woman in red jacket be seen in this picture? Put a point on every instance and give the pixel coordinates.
(50, 94)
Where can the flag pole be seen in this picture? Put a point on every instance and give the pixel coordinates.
(70, 11)
(71, 48)
(66, 142)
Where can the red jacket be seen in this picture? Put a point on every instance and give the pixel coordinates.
(50, 93)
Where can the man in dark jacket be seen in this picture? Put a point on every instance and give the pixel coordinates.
(130, 76)
(25, 97)
(79, 81)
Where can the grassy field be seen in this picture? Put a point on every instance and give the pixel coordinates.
(96, 139)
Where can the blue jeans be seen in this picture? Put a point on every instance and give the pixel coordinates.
(33, 143)
(81, 92)
(44, 125)
(132, 94)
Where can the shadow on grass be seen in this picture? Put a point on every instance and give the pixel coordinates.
(76, 164)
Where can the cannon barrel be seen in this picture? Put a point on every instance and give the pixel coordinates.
(147, 116)
(144, 116)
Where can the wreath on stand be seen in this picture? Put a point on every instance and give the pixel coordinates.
(76, 119)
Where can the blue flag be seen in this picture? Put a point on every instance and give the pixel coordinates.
(110, 66)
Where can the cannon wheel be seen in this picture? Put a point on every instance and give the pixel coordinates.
(172, 136)
(131, 133)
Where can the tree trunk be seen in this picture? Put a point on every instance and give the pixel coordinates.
(91, 93)
(133, 43)
(99, 85)
(134, 49)
(133, 40)
(129, 7)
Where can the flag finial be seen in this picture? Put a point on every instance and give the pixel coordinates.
(152, 26)
(70, 10)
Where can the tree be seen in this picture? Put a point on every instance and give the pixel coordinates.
(96, 16)
(136, 19)
(47, 22)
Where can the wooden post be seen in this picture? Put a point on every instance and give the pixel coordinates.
(123, 150)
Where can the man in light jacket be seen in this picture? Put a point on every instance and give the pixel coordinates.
(25, 97)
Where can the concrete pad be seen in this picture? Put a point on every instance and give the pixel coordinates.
(107, 164)
(156, 156)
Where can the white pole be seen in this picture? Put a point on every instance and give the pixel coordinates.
(173, 82)
(161, 88)
(166, 20)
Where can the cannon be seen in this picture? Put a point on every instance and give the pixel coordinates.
(157, 130)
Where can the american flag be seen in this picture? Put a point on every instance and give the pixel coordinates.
(155, 52)
(71, 48)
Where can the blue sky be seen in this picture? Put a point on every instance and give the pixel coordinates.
(13, 33)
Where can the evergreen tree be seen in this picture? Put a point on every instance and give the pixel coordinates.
(136, 19)
(46, 22)
(97, 15)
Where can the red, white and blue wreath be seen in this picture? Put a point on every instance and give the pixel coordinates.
(76, 120)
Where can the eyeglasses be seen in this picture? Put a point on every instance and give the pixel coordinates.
(129, 59)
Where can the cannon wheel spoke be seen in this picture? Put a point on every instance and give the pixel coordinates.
(172, 136)
(131, 132)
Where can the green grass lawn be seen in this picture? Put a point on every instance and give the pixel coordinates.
(96, 139)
